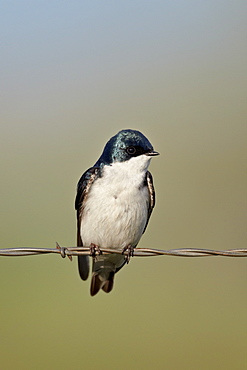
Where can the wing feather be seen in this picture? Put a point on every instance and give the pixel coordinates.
(150, 186)
(83, 189)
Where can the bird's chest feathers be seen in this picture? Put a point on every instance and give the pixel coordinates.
(115, 212)
(121, 185)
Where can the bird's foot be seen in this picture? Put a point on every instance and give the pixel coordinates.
(94, 250)
(130, 252)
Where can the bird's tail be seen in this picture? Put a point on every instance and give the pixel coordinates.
(104, 269)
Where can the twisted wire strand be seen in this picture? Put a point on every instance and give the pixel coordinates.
(138, 252)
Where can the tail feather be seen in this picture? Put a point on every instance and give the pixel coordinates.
(98, 283)
(107, 287)
(104, 268)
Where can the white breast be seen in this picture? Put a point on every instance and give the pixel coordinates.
(116, 209)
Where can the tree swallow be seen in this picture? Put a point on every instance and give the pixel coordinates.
(114, 201)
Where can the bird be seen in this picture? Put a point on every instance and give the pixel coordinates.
(114, 202)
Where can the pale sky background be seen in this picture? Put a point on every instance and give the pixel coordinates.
(74, 73)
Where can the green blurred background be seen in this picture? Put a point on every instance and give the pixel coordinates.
(73, 73)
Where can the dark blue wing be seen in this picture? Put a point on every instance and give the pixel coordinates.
(83, 189)
(150, 186)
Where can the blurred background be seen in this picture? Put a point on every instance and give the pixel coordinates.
(74, 73)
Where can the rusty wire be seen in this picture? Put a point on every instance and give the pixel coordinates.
(138, 252)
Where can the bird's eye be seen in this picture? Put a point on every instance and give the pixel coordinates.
(131, 150)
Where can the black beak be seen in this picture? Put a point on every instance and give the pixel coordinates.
(153, 153)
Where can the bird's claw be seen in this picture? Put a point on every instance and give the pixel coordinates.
(94, 250)
(130, 252)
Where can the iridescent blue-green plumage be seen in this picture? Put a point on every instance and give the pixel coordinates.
(115, 148)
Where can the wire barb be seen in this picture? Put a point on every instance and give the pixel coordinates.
(137, 252)
(63, 251)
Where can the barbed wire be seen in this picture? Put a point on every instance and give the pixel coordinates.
(138, 252)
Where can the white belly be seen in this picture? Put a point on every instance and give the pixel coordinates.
(116, 208)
